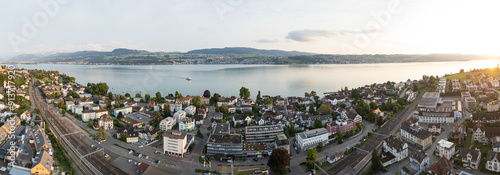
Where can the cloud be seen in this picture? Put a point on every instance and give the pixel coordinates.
(267, 41)
(311, 35)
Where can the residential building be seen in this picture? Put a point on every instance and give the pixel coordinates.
(42, 164)
(225, 145)
(493, 106)
(93, 114)
(441, 167)
(175, 143)
(394, 149)
(352, 115)
(486, 117)
(434, 128)
(132, 137)
(419, 162)
(445, 149)
(106, 122)
(335, 157)
(25, 116)
(493, 161)
(311, 138)
(471, 157)
(179, 115)
(441, 88)
(124, 110)
(341, 125)
(241, 118)
(416, 135)
(262, 133)
(479, 133)
(149, 133)
(282, 142)
(191, 110)
(470, 102)
(447, 111)
(186, 124)
(167, 123)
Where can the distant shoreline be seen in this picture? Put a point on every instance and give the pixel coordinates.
(74, 63)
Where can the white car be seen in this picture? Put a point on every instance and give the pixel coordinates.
(140, 146)
(130, 152)
(129, 160)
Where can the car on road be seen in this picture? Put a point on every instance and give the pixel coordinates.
(456, 167)
(140, 146)
(96, 148)
(130, 152)
(147, 157)
(106, 155)
(92, 146)
(129, 160)
(255, 159)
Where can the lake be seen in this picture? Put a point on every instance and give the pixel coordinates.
(284, 80)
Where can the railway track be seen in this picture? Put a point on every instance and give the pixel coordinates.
(389, 128)
(90, 161)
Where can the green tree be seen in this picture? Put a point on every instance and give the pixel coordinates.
(199, 134)
(196, 101)
(325, 109)
(223, 109)
(91, 123)
(311, 109)
(120, 115)
(373, 105)
(279, 160)
(244, 93)
(127, 95)
(138, 95)
(110, 96)
(320, 146)
(312, 154)
(342, 105)
(147, 97)
(340, 137)
(206, 94)
(259, 98)
(101, 133)
(166, 111)
(178, 95)
(376, 164)
(215, 98)
(238, 124)
(157, 116)
(268, 101)
(317, 123)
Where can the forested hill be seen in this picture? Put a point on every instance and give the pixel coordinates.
(232, 55)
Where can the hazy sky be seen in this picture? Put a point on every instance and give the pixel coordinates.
(320, 26)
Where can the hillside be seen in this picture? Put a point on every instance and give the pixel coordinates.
(246, 50)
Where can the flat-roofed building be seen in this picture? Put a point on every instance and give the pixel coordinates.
(413, 134)
(221, 128)
(311, 138)
(469, 102)
(176, 142)
(93, 114)
(446, 112)
(429, 101)
(262, 133)
(225, 146)
(493, 106)
(445, 149)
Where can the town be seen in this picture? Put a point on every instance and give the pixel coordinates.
(434, 125)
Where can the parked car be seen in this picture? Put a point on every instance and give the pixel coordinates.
(255, 159)
(140, 146)
(106, 155)
(96, 148)
(129, 160)
(130, 152)
(92, 146)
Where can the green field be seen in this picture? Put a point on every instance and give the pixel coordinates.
(463, 76)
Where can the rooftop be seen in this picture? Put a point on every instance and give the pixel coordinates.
(445, 144)
(258, 129)
(174, 134)
(221, 128)
(225, 138)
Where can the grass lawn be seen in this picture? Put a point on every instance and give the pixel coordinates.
(247, 171)
(468, 141)
(463, 76)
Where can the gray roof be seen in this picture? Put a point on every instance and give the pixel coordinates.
(225, 138)
(221, 128)
(174, 134)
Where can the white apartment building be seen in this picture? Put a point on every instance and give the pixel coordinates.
(191, 110)
(167, 123)
(445, 149)
(311, 138)
(179, 115)
(93, 114)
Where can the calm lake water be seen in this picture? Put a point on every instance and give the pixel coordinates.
(284, 80)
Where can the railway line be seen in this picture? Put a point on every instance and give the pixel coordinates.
(91, 161)
(355, 157)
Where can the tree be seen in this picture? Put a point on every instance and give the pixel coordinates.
(138, 95)
(376, 164)
(110, 95)
(97, 89)
(147, 97)
(206, 94)
(258, 97)
(373, 105)
(127, 95)
(158, 95)
(317, 123)
(223, 109)
(352, 131)
(268, 101)
(325, 109)
(320, 146)
(342, 105)
(311, 109)
(178, 95)
(238, 124)
(279, 160)
(199, 134)
(91, 123)
(101, 133)
(244, 93)
(215, 98)
(340, 137)
(312, 154)
(120, 115)
(166, 111)
(196, 101)
(157, 116)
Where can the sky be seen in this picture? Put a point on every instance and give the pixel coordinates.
(320, 26)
